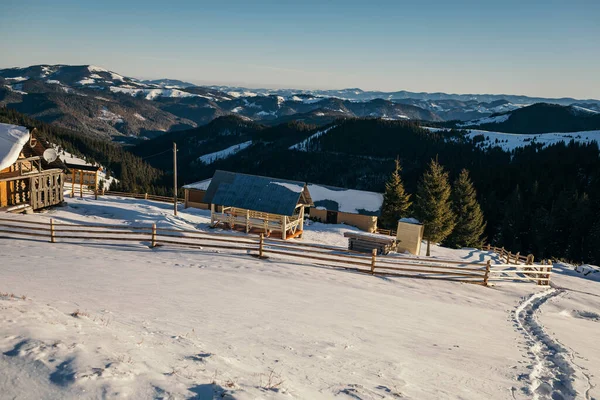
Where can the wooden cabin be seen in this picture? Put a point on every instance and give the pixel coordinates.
(334, 205)
(194, 194)
(27, 179)
(258, 203)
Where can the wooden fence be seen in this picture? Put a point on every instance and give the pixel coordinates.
(525, 268)
(481, 273)
(145, 196)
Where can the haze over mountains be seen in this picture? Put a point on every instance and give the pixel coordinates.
(104, 103)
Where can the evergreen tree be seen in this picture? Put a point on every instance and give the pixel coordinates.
(469, 217)
(396, 201)
(433, 205)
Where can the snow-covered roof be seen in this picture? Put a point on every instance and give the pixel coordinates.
(346, 200)
(410, 221)
(12, 140)
(200, 185)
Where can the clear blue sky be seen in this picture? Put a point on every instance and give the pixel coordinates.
(540, 48)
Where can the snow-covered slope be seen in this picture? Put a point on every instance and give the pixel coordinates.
(97, 320)
(221, 154)
(511, 141)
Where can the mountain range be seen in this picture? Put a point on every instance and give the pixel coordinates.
(104, 103)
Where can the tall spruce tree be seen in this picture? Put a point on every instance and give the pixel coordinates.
(469, 217)
(396, 201)
(433, 205)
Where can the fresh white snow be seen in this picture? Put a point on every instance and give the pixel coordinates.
(12, 140)
(296, 188)
(95, 320)
(222, 154)
(303, 145)
(348, 200)
(86, 81)
(487, 120)
(17, 78)
(200, 185)
(151, 94)
(106, 115)
(511, 141)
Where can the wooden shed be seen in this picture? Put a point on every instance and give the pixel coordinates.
(27, 179)
(336, 205)
(81, 175)
(258, 203)
(194, 194)
(409, 236)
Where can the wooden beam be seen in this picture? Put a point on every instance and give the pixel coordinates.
(301, 222)
(81, 184)
(96, 186)
(283, 227)
(73, 184)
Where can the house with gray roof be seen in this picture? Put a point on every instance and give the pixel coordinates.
(336, 205)
(258, 203)
(194, 194)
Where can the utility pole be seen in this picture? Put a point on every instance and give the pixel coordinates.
(174, 178)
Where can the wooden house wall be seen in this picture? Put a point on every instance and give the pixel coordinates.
(195, 198)
(367, 223)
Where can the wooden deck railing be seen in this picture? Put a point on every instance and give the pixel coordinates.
(481, 273)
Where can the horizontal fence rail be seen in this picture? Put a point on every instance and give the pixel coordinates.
(86, 190)
(481, 273)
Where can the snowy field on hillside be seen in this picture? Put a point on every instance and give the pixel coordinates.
(510, 141)
(222, 154)
(97, 320)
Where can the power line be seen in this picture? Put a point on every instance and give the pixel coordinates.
(157, 154)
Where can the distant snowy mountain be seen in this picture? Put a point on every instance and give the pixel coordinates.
(102, 102)
(168, 83)
(539, 118)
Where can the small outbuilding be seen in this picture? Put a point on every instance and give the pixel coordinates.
(83, 175)
(334, 205)
(31, 175)
(194, 194)
(258, 203)
(409, 236)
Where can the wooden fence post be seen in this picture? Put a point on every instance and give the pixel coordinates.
(145, 196)
(52, 240)
(539, 282)
(517, 257)
(373, 259)
(260, 245)
(153, 235)
(488, 267)
(508, 257)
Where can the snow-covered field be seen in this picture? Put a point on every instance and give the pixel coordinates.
(103, 321)
(222, 154)
(510, 141)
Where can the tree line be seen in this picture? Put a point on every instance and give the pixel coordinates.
(450, 214)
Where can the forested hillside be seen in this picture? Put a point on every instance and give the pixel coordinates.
(543, 200)
(536, 199)
(134, 174)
